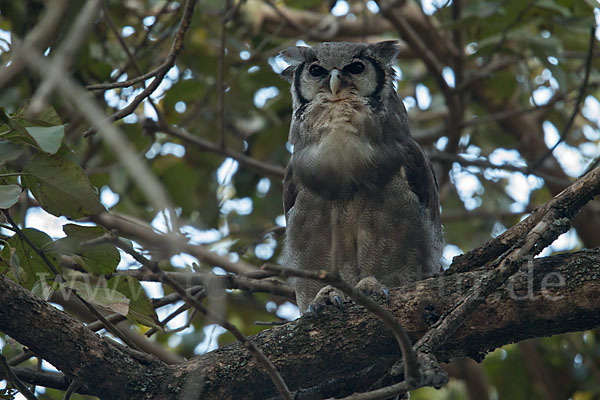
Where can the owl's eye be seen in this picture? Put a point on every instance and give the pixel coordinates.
(355, 68)
(317, 71)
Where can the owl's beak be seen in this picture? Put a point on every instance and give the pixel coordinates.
(335, 81)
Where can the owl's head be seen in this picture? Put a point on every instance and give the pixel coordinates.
(339, 67)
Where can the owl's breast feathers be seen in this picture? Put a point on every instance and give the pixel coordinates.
(338, 169)
(341, 145)
(333, 144)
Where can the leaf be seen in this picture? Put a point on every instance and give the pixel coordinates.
(140, 306)
(482, 10)
(31, 263)
(44, 288)
(61, 187)
(101, 296)
(47, 117)
(100, 259)
(9, 195)
(552, 5)
(15, 131)
(9, 151)
(48, 138)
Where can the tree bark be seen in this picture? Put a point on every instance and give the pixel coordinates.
(338, 353)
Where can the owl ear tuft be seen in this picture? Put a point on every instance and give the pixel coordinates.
(298, 54)
(386, 51)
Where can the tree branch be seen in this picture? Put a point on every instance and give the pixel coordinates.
(551, 297)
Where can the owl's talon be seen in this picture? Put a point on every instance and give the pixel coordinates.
(386, 295)
(327, 295)
(337, 300)
(314, 309)
(372, 287)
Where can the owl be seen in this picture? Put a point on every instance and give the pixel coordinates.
(360, 195)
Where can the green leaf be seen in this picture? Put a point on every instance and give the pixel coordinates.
(9, 151)
(9, 195)
(552, 5)
(47, 117)
(101, 296)
(29, 261)
(483, 10)
(61, 187)
(44, 288)
(48, 138)
(100, 259)
(140, 306)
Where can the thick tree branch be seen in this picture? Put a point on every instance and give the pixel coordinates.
(105, 368)
(565, 204)
(556, 295)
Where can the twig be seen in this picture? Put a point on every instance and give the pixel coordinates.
(52, 268)
(115, 319)
(140, 78)
(582, 90)
(169, 243)
(417, 44)
(481, 213)
(120, 39)
(435, 67)
(53, 380)
(24, 356)
(38, 38)
(309, 33)
(445, 156)
(269, 323)
(64, 56)
(163, 301)
(109, 325)
(130, 82)
(507, 28)
(164, 67)
(387, 392)
(495, 247)
(261, 359)
(184, 307)
(502, 115)
(87, 107)
(13, 380)
(228, 281)
(73, 386)
(544, 232)
(592, 166)
(33, 246)
(274, 171)
(276, 231)
(411, 368)
(130, 56)
(221, 75)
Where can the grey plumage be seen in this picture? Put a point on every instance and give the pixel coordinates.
(353, 154)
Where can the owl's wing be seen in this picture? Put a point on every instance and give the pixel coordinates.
(421, 178)
(290, 190)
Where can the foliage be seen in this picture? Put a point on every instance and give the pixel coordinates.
(527, 60)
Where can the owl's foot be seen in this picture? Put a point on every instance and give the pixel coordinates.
(326, 296)
(370, 286)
